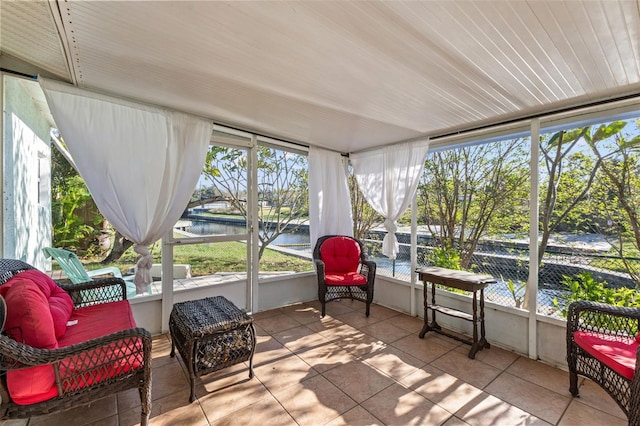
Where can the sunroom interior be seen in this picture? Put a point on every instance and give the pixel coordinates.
(352, 79)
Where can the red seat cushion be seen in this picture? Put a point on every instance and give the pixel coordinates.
(109, 361)
(340, 255)
(350, 278)
(618, 355)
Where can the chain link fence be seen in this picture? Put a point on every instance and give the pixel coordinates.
(508, 262)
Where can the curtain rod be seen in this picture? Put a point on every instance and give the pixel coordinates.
(537, 115)
(20, 74)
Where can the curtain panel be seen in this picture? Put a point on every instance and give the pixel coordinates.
(141, 163)
(388, 178)
(329, 200)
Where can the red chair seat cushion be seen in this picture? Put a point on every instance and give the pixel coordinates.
(340, 255)
(107, 361)
(349, 278)
(618, 355)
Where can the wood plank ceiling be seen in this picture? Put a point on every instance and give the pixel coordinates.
(346, 75)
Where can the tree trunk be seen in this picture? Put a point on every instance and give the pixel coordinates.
(120, 245)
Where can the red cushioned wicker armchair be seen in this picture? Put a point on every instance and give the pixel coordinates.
(66, 345)
(343, 270)
(603, 344)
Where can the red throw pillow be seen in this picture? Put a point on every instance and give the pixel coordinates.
(29, 321)
(60, 303)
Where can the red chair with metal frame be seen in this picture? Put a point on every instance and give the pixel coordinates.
(343, 270)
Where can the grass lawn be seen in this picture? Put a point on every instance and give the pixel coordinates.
(209, 258)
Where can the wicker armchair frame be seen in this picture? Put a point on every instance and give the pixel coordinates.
(617, 323)
(327, 293)
(73, 390)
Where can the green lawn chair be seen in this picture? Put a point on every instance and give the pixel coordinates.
(75, 271)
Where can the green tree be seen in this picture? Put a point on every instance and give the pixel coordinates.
(364, 216)
(471, 191)
(282, 187)
(619, 200)
(76, 220)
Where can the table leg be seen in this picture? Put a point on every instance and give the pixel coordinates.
(425, 302)
(483, 341)
(474, 344)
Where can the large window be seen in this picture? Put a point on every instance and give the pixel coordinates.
(589, 215)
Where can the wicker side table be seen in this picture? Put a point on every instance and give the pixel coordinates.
(211, 334)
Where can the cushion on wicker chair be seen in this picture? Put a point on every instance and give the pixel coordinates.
(29, 321)
(618, 355)
(349, 278)
(340, 255)
(99, 320)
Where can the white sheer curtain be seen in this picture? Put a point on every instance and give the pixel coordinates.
(329, 200)
(141, 163)
(388, 178)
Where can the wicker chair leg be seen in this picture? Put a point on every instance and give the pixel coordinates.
(145, 403)
(367, 311)
(573, 383)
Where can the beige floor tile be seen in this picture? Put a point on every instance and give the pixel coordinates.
(541, 374)
(385, 331)
(353, 340)
(494, 356)
(594, 396)
(343, 332)
(428, 349)
(381, 312)
(103, 411)
(268, 349)
(357, 319)
(265, 314)
(472, 371)
(266, 411)
(581, 414)
(314, 401)
(324, 324)
(530, 397)
(339, 307)
(300, 338)
(228, 394)
(170, 410)
(357, 416)
(302, 313)
(393, 362)
(358, 379)
(455, 421)
(441, 388)
(409, 323)
(487, 410)
(397, 405)
(326, 357)
(281, 373)
(167, 380)
(277, 323)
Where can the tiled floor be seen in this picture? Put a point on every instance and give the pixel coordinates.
(346, 369)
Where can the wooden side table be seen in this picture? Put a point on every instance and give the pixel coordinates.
(211, 334)
(462, 280)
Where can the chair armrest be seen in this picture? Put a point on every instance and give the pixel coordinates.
(100, 290)
(602, 318)
(319, 264)
(15, 355)
(368, 268)
(105, 271)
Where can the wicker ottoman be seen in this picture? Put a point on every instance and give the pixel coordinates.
(211, 334)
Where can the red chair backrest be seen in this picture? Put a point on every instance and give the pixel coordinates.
(340, 254)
